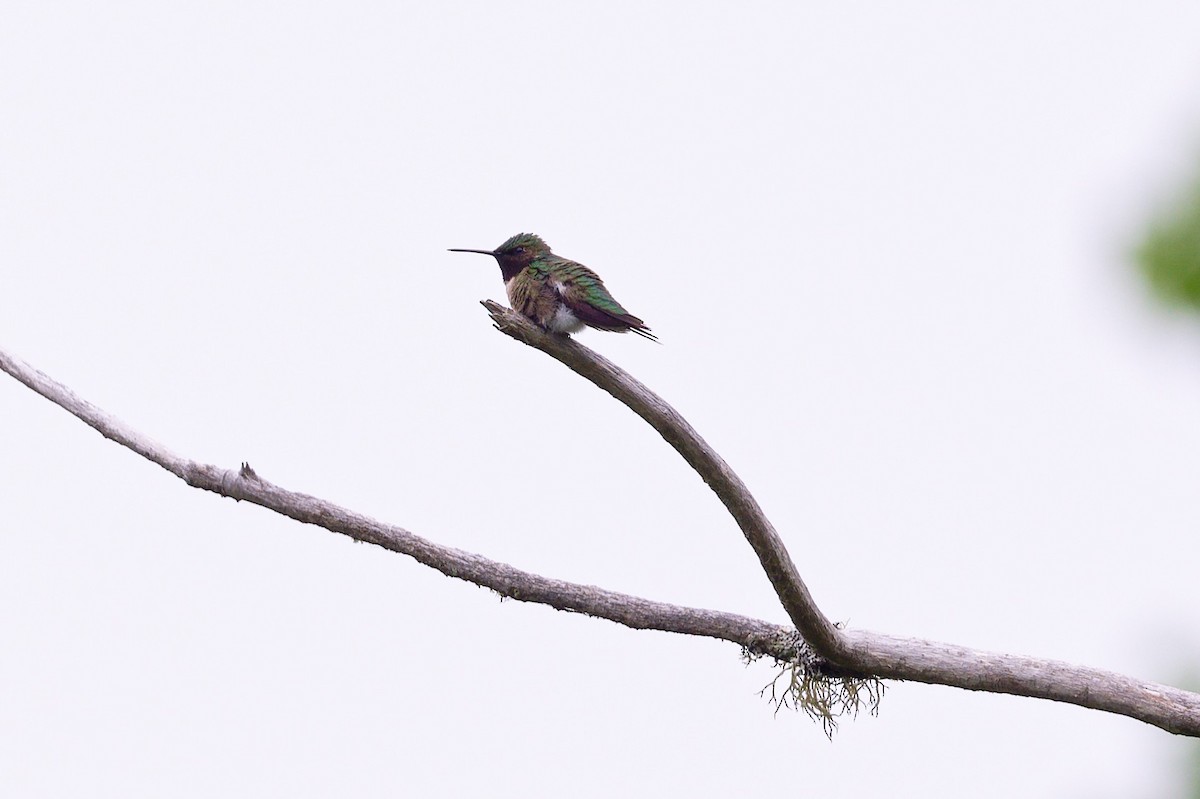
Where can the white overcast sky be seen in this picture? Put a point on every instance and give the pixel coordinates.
(885, 247)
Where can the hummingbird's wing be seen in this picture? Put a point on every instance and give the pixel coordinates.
(585, 294)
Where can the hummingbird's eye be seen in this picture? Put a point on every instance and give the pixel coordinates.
(518, 251)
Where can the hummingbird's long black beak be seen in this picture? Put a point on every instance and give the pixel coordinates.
(481, 252)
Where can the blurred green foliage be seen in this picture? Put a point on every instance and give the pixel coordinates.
(1169, 256)
(1192, 683)
(1194, 789)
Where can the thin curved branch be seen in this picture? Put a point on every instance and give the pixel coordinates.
(868, 653)
(729, 488)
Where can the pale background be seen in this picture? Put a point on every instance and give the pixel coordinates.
(886, 249)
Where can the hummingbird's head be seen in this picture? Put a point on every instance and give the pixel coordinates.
(516, 253)
(521, 249)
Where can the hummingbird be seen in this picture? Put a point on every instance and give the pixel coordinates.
(557, 294)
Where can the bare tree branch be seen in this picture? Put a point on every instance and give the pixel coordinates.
(838, 653)
(758, 637)
(759, 531)
(859, 652)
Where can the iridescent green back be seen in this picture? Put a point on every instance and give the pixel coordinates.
(586, 285)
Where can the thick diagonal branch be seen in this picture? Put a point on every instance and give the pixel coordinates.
(757, 636)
